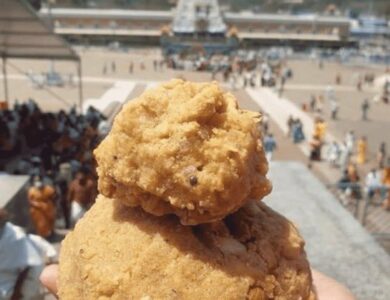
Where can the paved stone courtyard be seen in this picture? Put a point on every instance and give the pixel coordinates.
(308, 79)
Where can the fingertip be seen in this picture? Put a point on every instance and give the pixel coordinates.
(328, 288)
(48, 278)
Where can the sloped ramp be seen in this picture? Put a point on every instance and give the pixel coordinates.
(112, 98)
(335, 242)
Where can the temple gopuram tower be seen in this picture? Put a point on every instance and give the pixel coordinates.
(197, 25)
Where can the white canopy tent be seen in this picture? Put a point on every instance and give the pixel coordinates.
(24, 35)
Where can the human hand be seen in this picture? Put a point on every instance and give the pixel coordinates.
(329, 289)
(326, 287)
(49, 277)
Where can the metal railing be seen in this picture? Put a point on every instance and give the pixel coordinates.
(362, 198)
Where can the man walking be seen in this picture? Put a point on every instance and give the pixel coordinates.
(334, 109)
(82, 192)
(269, 146)
(365, 108)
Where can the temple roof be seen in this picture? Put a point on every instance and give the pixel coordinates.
(198, 16)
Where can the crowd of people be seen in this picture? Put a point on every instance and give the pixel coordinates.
(111, 66)
(351, 154)
(259, 74)
(317, 102)
(55, 151)
(238, 72)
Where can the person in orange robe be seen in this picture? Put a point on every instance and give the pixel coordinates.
(42, 208)
(353, 173)
(386, 175)
(320, 127)
(362, 151)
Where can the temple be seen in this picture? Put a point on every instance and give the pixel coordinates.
(198, 25)
(198, 17)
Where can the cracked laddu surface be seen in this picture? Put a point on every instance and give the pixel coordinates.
(118, 252)
(184, 148)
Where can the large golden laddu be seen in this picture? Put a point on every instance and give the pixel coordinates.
(184, 148)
